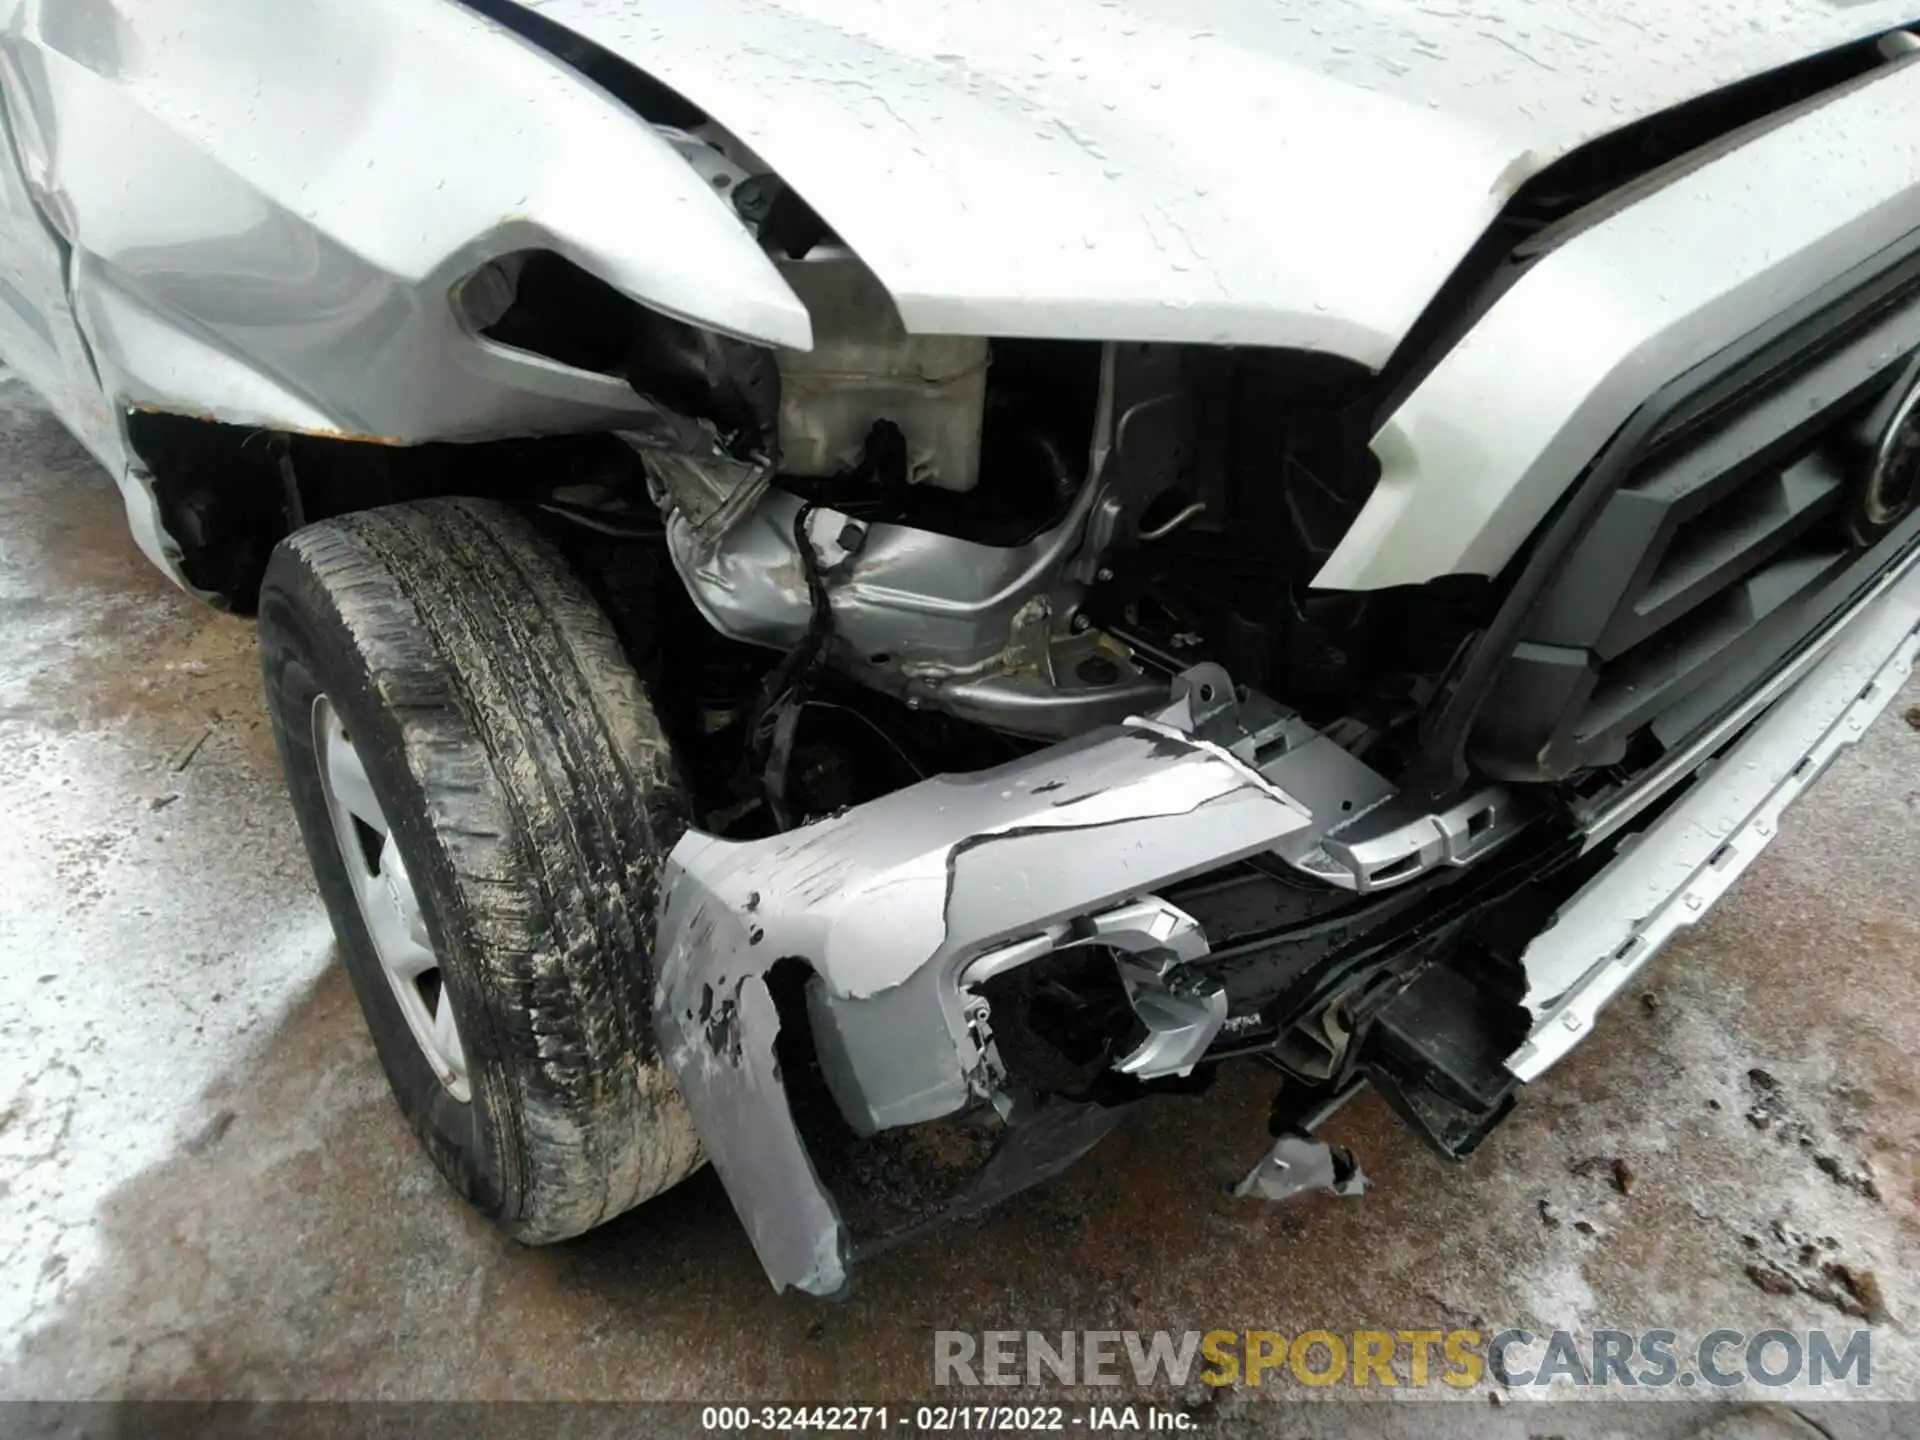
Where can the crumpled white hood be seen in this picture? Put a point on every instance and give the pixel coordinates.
(1274, 172)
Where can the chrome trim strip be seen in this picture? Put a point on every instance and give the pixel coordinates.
(1617, 923)
(1686, 759)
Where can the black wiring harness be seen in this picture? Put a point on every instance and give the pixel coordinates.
(783, 695)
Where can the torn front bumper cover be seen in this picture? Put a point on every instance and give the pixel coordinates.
(902, 906)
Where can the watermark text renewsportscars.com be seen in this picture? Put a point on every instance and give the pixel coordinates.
(1404, 1359)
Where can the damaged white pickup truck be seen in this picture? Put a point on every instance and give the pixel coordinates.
(853, 588)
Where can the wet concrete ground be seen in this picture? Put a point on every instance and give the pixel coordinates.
(204, 1190)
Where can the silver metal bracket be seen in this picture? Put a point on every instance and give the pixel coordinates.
(1299, 1163)
(1157, 945)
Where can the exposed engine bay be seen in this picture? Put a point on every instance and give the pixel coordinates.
(987, 517)
(1029, 537)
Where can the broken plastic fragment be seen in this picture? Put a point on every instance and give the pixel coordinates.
(1298, 1163)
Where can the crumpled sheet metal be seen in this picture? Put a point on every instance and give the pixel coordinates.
(1298, 1164)
(953, 865)
(263, 213)
(904, 891)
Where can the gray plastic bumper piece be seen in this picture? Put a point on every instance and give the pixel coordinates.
(901, 905)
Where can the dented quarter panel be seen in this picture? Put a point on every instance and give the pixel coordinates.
(1241, 171)
(885, 903)
(262, 211)
(38, 332)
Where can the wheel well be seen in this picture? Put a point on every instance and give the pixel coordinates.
(227, 494)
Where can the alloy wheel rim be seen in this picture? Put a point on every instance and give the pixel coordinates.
(388, 903)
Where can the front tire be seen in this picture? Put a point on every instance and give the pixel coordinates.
(487, 797)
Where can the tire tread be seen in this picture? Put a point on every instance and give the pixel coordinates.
(551, 802)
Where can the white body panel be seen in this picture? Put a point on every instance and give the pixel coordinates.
(257, 212)
(1247, 172)
(1478, 454)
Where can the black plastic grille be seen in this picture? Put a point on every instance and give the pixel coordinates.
(1719, 551)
